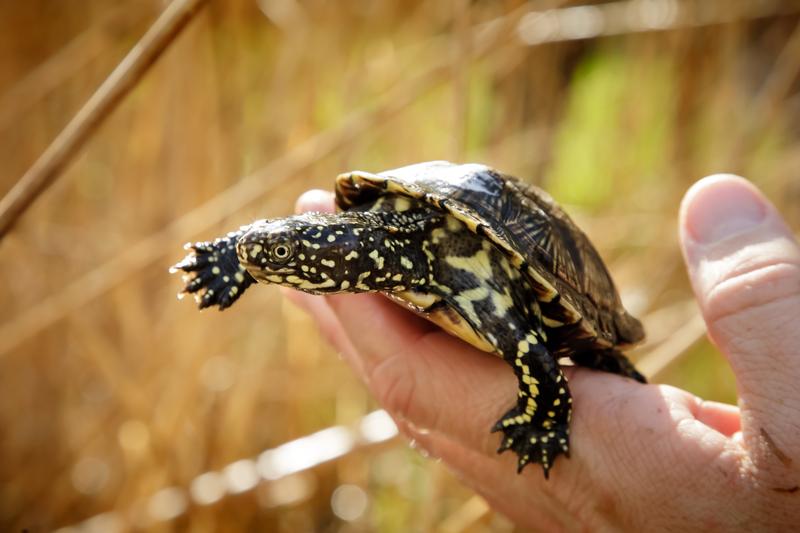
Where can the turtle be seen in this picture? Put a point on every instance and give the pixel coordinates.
(489, 258)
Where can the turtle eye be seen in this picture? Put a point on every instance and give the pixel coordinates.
(280, 252)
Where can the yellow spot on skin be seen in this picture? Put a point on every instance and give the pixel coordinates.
(331, 238)
(239, 277)
(215, 271)
(255, 250)
(557, 402)
(551, 414)
(405, 262)
(310, 286)
(345, 285)
(233, 291)
(352, 255)
(376, 256)
(328, 263)
(437, 235)
(523, 346)
(397, 277)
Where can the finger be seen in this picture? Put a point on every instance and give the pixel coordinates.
(511, 495)
(315, 200)
(744, 265)
(423, 375)
(622, 432)
(719, 416)
(328, 323)
(439, 383)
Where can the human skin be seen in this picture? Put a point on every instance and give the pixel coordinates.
(643, 457)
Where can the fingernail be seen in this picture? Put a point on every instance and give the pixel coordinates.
(723, 206)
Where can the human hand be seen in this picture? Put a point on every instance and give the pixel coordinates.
(643, 457)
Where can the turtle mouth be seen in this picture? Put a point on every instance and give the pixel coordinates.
(268, 275)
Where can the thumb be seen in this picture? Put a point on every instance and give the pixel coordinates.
(744, 265)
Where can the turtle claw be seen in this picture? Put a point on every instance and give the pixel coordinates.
(214, 275)
(531, 444)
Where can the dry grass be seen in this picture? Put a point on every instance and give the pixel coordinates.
(113, 390)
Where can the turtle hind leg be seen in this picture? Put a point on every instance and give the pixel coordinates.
(537, 428)
(608, 360)
(214, 274)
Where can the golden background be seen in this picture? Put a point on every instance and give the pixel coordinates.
(123, 409)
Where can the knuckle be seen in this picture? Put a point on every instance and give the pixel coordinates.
(755, 292)
(393, 386)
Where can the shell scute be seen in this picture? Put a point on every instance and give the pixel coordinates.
(527, 224)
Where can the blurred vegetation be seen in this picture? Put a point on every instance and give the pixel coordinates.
(105, 402)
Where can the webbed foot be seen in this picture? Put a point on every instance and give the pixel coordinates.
(214, 275)
(532, 444)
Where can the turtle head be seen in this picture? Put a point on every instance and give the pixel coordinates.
(325, 253)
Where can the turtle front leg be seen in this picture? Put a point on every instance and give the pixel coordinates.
(214, 274)
(537, 428)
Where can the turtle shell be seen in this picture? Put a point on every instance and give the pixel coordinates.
(571, 282)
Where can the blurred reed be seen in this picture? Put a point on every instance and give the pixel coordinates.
(118, 402)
